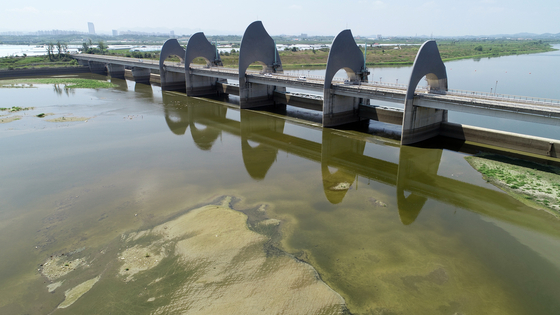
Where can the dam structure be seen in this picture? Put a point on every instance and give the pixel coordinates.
(341, 102)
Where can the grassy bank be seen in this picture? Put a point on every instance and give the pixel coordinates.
(534, 184)
(32, 62)
(70, 83)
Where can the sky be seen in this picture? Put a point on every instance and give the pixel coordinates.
(290, 17)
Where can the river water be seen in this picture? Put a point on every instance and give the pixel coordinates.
(393, 230)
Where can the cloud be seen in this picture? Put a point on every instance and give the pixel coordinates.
(24, 10)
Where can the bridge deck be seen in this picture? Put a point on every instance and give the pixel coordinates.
(515, 107)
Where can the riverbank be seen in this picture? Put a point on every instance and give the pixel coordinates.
(405, 55)
(536, 185)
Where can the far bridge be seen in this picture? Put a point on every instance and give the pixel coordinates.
(341, 101)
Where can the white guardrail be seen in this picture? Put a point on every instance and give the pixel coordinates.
(338, 80)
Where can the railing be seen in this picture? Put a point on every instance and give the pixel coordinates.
(505, 97)
(337, 80)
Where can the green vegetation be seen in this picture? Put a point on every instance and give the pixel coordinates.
(534, 184)
(69, 83)
(12, 63)
(403, 55)
(15, 108)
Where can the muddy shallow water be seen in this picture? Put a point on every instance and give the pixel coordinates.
(377, 228)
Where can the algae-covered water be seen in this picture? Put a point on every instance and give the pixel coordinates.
(156, 203)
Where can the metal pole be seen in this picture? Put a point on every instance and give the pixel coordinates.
(365, 55)
(496, 87)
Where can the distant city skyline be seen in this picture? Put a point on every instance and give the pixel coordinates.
(312, 17)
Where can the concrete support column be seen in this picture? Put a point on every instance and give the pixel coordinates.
(172, 81)
(339, 110)
(141, 75)
(258, 95)
(199, 86)
(421, 123)
(116, 71)
(97, 67)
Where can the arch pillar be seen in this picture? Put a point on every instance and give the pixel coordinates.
(199, 46)
(421, 123)
(344, 54)
(171, 81)
(258, 46)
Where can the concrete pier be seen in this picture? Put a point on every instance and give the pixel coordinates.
(141, 75)
(115, 71)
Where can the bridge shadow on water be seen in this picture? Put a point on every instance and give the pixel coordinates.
(342, 159)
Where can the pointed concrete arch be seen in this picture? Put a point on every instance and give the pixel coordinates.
(420, 123)
(199, 46)
(344, 54)
(257, 46)
(171, 80)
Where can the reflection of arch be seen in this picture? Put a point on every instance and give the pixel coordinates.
(171, 80)
(420, 123)
(417, 169)
(257, 46)
(177, 119)
(258, 159)
(199, 46)
(344, 54)
(199, 113)
(335, 150)
(337, 184)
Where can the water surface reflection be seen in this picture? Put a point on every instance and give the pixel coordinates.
(341, 160)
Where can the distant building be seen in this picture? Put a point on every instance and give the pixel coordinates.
(172, 34)
(91, 28)
(115, 33)
(379, 37)
(303, 35)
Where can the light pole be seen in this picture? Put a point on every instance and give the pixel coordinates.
(496, 87)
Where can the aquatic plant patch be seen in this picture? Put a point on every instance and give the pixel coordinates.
(69, 83)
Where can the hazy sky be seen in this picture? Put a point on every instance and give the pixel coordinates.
(313, 17)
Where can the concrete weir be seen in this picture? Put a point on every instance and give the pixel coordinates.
(424, 115)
